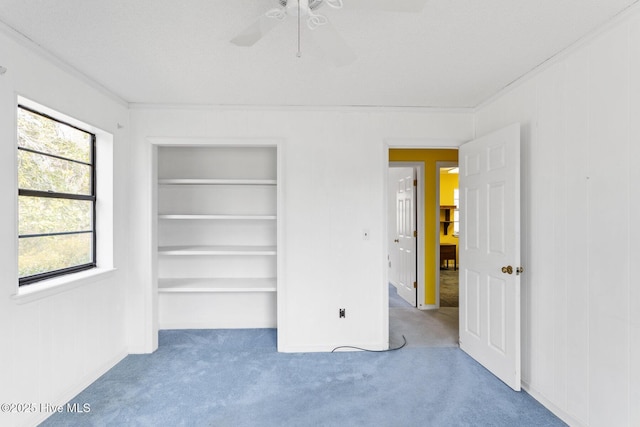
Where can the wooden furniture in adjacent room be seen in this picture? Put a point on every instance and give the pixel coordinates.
(446, 217)
(448, 253)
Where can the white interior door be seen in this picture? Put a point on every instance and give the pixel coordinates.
(490, 252)
(395, 173)
(406, 236)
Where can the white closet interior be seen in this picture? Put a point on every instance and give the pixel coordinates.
(216, 236)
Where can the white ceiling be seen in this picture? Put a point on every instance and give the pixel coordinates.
(455, 53)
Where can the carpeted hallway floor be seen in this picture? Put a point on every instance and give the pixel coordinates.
(422, 328)
(449, 288)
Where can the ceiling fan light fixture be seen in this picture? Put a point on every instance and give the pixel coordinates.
(336, 4)
(277, 14)
(328, 39)
(315, 20)
(312, 4)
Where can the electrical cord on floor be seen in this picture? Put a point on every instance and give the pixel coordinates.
(372, 351)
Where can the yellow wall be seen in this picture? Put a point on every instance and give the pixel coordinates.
(428, 158)
(448, 182)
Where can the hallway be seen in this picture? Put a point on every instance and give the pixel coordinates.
(428, 328)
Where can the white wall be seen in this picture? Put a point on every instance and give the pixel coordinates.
(334, 168)
(581, 201)
(52, 347)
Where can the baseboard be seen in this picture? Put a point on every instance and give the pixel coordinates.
(550, 406)
(73, 391)
(268, 324)
(326, 348)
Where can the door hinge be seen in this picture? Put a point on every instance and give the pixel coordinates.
(415, 234)
(415, 182)
(415, 285)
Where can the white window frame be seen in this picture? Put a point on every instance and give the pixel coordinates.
(41, 194)
(104, 219)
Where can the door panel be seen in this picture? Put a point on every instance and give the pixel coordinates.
(471, 218)
(395, 173)
(489, 241)
(497, 314)
(495, 233)
(472, 297)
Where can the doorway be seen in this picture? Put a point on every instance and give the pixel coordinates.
(425, 161)
(423, 323)
(448, 234)
(489, 313)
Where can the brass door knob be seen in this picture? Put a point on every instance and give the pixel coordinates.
(507, 270)
(396, 240)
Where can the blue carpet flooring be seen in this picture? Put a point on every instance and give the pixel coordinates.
(237, 378)
(395, 300)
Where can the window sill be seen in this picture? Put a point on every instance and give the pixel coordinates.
(47, 288)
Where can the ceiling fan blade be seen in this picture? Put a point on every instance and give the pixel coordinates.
(253, 33)
(387, 5)
(332, 45)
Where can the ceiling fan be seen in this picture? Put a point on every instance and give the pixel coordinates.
(324, 34)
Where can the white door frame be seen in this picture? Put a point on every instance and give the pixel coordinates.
(415, 143)
(439, 165)
(151, 296)
(419, 224)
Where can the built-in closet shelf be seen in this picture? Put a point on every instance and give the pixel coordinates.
(217, 285)
(216, 227)
(190, 181)
(217, 250)
(217, 217)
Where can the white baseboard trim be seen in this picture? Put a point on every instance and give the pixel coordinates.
(552, 407)
(74, 390)
(326, 348)
(222, 324)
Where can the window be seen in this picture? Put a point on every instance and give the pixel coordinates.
(56, 197)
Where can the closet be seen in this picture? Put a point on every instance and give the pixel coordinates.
(216, 236)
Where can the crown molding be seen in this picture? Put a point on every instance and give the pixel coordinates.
(42, 52)
(563, 54)
(297, 108)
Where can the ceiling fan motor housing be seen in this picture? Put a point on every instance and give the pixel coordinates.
(305, 6)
